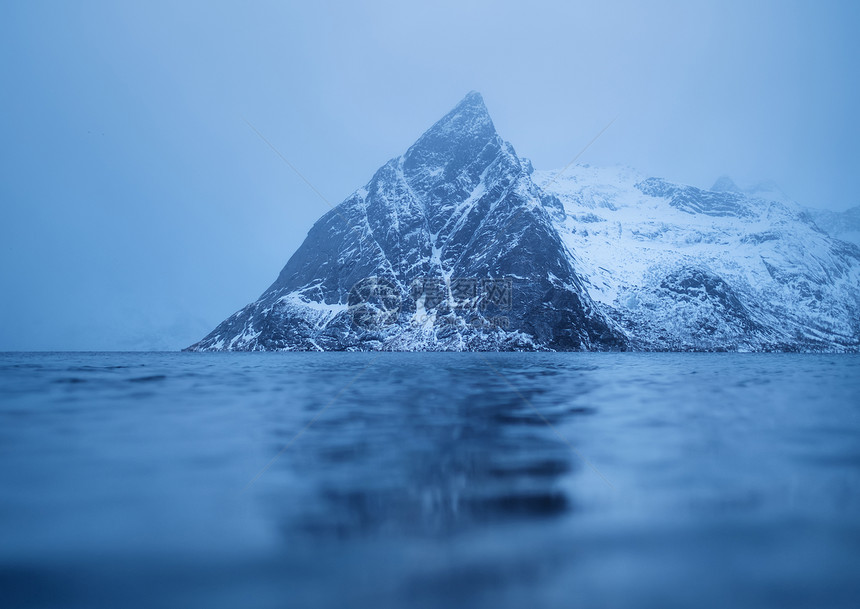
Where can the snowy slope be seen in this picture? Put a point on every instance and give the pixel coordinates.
(684, 268)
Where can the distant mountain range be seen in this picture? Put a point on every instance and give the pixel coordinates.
(460, 245)
(844, 225)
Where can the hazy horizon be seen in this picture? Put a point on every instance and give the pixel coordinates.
(140, 209)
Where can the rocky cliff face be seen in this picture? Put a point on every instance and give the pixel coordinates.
(448, 247)
(458, 245)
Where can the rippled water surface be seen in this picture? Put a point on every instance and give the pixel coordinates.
(429, 480)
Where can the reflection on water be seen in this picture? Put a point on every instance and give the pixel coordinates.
(428, 456)
(428, 480)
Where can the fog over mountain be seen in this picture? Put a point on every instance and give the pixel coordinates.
(140, 208)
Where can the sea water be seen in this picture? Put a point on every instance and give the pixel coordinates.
(429, 480)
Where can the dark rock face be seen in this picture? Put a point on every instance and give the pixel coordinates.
(711, 293)
(448, 247)
(695, 200)
(692, 309)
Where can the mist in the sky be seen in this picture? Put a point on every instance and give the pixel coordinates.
(139, 209)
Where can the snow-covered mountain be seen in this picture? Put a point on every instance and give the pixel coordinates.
(844, 225)
(687, 269)
(459, 245)
(448, 247)
(767, 190)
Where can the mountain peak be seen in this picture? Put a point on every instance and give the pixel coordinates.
(470, 109)
(454, 246)
(453, 141)
(467, 123)
(472, 99)
(456, 232)
(725, 184)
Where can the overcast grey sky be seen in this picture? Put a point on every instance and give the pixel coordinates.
(139, 209)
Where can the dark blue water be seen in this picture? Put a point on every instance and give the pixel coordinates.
(429, 480)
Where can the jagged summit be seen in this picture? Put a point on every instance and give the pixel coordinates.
(472, 98)
(469, 110)
(469, 119)
(725, 184)
(458, 136)
(455, 248)
(765, 189)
